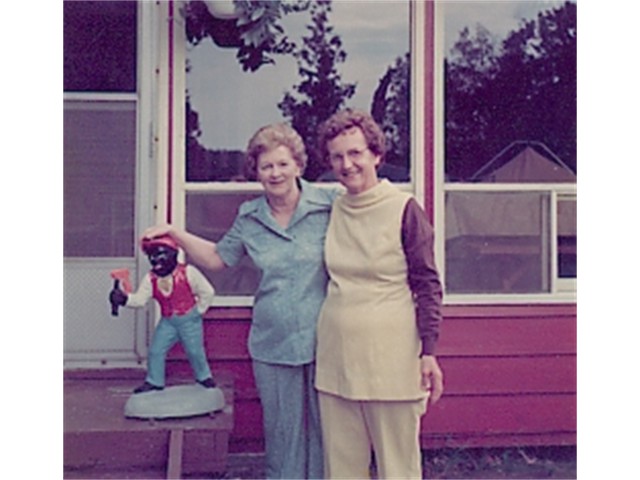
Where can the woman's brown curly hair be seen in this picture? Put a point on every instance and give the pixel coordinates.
(346, 119)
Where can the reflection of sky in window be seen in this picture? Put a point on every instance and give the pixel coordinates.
(373, 33)
(499, 17)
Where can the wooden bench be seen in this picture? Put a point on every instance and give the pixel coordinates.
(100, 442)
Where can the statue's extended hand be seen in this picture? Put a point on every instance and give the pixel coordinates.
(117, 298)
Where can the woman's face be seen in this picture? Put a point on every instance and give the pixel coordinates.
(354, 165)
(277, 171)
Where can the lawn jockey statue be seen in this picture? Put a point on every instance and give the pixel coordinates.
(183, 294)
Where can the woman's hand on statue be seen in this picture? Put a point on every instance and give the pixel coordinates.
(158, 230)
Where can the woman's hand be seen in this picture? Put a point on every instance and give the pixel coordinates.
(158, 230)
(432, 377)
(200, 251)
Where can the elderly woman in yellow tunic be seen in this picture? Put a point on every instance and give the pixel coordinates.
(376, 368)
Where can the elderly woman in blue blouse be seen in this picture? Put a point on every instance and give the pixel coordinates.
(283, 232)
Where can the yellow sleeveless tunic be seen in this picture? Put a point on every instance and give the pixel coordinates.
(368, 344)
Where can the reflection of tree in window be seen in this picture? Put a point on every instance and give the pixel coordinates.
(321, 91)
(259, 38)
(522, 89)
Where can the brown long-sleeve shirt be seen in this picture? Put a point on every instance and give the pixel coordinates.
(417, 242)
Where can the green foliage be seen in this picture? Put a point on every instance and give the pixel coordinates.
(256, 33)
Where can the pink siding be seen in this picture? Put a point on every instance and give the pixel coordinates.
(510, 376)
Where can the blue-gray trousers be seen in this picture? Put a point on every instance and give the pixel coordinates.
(292, 431)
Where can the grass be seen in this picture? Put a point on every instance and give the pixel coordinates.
(471, 463)
(501, 463)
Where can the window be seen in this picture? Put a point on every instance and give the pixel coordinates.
(319, 57)
(99, 164)
(100, 46)
(510, 161)
(100, 116)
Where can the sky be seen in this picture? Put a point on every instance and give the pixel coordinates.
(499, 16)
(373, 37)
(374, 34)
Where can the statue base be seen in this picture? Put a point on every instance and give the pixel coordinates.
(175, 402)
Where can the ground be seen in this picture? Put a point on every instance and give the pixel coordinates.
(494, 463)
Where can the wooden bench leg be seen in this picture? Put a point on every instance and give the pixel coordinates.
(174, 463)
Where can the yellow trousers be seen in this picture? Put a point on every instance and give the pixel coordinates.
(351, 429)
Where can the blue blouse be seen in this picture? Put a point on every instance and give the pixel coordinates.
(293, 276)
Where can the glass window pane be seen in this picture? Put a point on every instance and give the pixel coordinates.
(497, 242)
(567, 238)
(357, 56)
(510, 91)
(99, 178)
(100, 46)
(210, 215)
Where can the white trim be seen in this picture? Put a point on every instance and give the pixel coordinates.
(503, 299)
(553, 239)
(162, 121)
(438, 139)
(562, 284)
(100, 96)
(179, 214)
(511, 187)
(232, 301)
(222, 187)
(417, 55)
(561, 290)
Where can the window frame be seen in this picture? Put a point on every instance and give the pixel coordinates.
(174, 188)
(561, 290)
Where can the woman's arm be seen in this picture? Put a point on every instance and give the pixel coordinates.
(200, 251)
(423, 279)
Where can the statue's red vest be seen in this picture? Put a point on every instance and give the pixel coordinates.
(181, 298)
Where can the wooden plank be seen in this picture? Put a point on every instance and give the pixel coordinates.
(507, 336)
(501, 415)
(240, 371)
(99, 450)
(222, 339)
(174, 460)
(504, 440)
(243, 314)
(509, 375)
(228, 338)
(567, 310)
(205, 453)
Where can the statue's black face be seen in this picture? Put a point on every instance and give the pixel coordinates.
(163, 260)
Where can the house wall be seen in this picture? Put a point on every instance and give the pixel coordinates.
(510, 376)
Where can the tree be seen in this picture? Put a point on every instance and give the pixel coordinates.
(321, 91)
(391, 109)
(523, 89)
